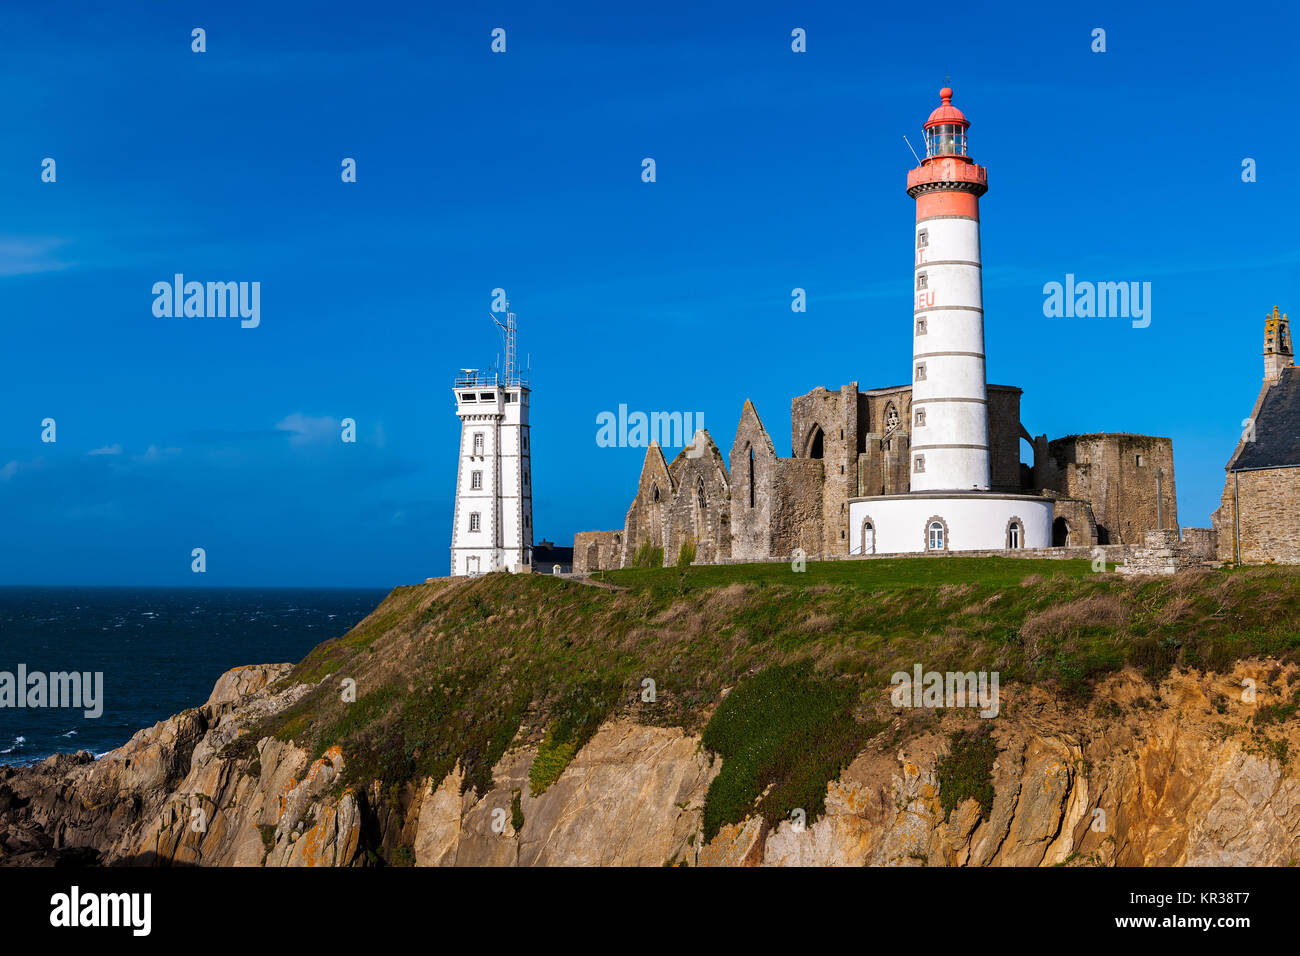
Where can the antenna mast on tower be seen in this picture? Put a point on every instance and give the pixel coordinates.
(510, 330)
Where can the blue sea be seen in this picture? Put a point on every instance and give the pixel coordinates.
(160, 651)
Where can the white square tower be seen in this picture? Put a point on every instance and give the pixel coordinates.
(492, 524)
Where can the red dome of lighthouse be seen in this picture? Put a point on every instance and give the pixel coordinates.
(947, 113)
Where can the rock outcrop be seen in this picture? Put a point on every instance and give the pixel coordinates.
(1181, 774)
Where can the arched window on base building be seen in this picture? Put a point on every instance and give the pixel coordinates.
(936, 534)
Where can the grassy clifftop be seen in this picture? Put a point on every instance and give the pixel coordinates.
(451, 671)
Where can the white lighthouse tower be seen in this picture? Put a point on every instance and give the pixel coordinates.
(949, 505)
(492, 524)
(951, 451)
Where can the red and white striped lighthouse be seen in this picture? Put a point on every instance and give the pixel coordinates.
(949, 505)
(950, 432)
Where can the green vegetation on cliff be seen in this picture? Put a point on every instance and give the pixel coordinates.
(458, 669)
(781, 734)
(966, 771)
(574, 718)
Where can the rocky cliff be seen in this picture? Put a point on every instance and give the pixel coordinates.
(1183, 772)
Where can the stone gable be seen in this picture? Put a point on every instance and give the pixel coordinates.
(700, 509)
(647, 515)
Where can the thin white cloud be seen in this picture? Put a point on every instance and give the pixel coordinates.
(153, 454)
(114, 449)
(28, 255)
(306, 430)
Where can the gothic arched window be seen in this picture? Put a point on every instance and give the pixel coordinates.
(816, 442)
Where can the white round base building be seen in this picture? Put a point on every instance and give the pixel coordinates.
(948, 521)
(949, 505)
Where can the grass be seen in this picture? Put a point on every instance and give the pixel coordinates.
(1278, 713)
(648, 556)
(890, 573)
(966, 771)
(459, 670)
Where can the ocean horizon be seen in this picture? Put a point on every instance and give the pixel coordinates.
(159, 649)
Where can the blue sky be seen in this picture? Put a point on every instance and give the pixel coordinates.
(522, 170)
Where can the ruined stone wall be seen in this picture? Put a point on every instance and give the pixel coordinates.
(700, 509)
(1080, 525)
(1161, 552)
(833, 416)
(597, 551)
(1270, 517)
(1201, 543)
(1117, 475)
(1004, 437)
(896, 460)
(884, 463)
(797, 507)
(864, 421)
(775, 505)
(1223, 521)
(883, 467)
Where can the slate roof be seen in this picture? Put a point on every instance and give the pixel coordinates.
(544, 557)
(1277, 427)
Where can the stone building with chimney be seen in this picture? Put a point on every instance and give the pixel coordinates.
(1258, 519)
